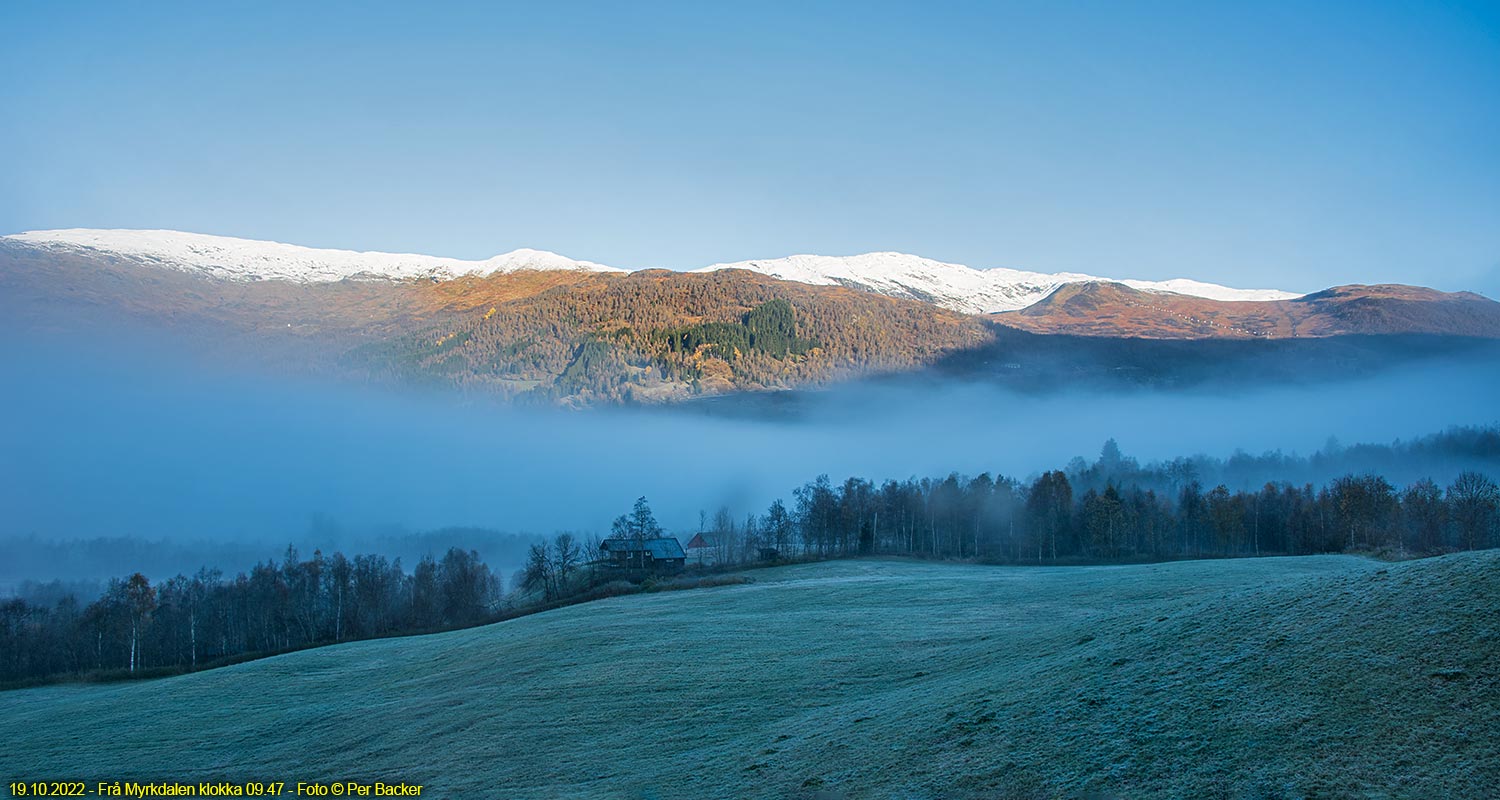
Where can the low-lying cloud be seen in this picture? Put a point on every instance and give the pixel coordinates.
(133, 443)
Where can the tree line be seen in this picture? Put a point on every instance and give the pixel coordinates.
(1115, 510)
(190, 622)
(1110, 510)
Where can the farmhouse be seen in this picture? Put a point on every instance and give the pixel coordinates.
(662, 554)
(704, 548)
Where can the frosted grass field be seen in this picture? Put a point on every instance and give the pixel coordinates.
(1326, 677)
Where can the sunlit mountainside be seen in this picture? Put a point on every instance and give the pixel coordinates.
(541, 327)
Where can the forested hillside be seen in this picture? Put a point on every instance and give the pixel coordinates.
(1103, 308)
(544, 336)
(577, 337)
(657, 335)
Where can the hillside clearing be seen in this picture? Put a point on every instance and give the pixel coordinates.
(1293, 677)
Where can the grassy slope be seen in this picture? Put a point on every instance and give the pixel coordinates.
(1250, 678)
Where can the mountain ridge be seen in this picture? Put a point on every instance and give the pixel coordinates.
(953, 286)
(1113, 309)
(549, 332)
(236, 259)
(960, 287)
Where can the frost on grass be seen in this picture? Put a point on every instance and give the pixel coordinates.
(1296, 677)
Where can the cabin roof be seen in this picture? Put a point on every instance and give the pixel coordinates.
(661, 548)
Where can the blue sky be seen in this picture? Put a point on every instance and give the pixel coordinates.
(1295, 145)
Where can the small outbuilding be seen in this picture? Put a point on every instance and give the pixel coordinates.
(704, 548)
(662, 554)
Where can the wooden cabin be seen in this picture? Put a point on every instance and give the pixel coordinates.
(663, 554)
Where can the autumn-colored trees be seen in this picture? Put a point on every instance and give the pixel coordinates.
(664, 334)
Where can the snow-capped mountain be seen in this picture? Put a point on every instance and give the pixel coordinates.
(961, 288)
(234, 259)
(551, 329)
(953, 286)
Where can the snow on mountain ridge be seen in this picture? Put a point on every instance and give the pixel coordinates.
(235, 259)
(963, 288)
(952, 286)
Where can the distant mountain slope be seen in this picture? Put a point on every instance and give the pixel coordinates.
(951, 286)
(955, 286)
(1329, 676)
(1115, 310)
(234, 259)
(49, 288)
(567, 336)
(541, 329)
(658, 335)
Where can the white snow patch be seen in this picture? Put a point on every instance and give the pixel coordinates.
(962, 288)
(234, 259)
(954, 286)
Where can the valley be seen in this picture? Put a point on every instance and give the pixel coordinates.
(1326, 676)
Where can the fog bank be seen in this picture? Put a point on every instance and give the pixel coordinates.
(127, 445)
